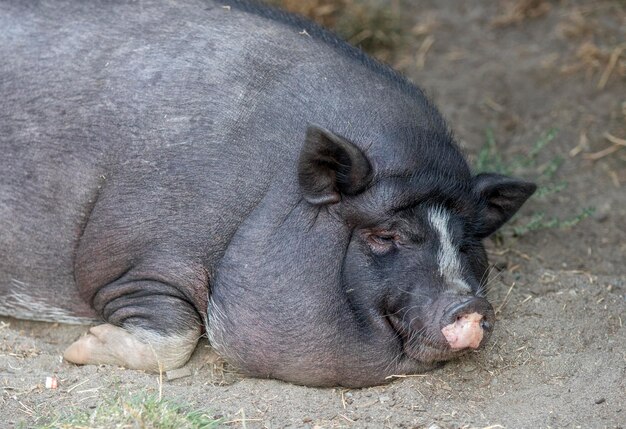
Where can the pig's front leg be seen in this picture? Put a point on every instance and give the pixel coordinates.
(151, 326)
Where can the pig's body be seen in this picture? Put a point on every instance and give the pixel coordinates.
(152, 157)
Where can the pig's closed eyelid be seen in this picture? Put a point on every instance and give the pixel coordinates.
(380, 230)
(396, 236)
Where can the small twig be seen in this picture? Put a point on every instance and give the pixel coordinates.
(88, 397)
(618, 143)
(610, 66)
(405, 376)
(94, 389)
(505, 298)
(243, 419)
(76, 385)
(160, 380)
(423, 50)
(601, 154)
(490, 102)
(27, 410)
(520, 254)
(615, 140)
(583, 141)
(348, 419)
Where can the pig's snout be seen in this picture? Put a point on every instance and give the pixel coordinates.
(467, 324)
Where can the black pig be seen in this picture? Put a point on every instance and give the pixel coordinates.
(181, 167)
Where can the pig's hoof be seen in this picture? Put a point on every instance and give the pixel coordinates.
(141, 349)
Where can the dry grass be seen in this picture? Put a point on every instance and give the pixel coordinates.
(324, 12)
(576, 24)
(140, 411)
(617, 142)
(376, 26)
(520, 10)
(595, 60)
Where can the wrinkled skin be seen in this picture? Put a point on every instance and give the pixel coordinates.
(194, 167)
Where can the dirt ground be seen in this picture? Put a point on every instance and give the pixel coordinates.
(558, 355)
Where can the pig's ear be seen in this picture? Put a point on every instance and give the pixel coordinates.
(503, 196)
(331, 166)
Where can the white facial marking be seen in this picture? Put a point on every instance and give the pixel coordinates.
(448, 255)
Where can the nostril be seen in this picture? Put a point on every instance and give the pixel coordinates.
(485, 325)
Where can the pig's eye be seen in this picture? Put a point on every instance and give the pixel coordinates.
(382, 241)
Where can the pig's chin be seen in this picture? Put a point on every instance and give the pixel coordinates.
(420, 346)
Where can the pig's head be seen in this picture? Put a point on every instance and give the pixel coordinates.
(376, 267)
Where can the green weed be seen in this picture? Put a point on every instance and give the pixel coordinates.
(138, 411)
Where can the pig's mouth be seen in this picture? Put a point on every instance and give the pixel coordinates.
(452, 327)
(423, 345)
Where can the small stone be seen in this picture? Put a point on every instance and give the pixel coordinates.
(178, 373)
(602, 213)
(601, 217)
(384, 399)
(600, 401)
